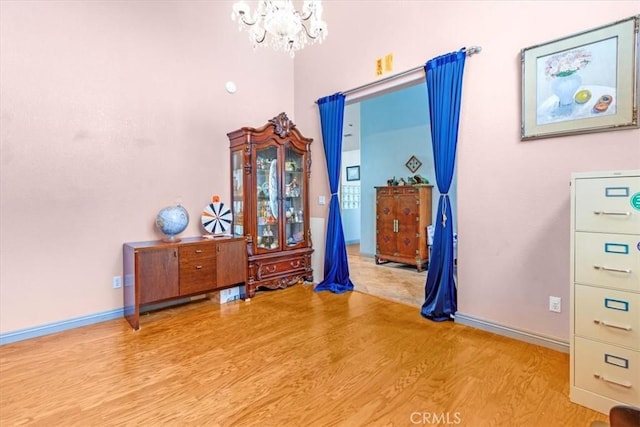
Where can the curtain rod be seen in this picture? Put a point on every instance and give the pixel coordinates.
(469, 51)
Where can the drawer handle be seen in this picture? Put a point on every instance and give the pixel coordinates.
(625, 384)
(611, 213)
(619, 270)
(611, 325)
(198, 267)
(198, 251)
(295, 264)
(270, 268)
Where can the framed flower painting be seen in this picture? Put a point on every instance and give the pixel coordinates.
(586, 82)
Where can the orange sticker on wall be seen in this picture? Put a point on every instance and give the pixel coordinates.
(388, 62)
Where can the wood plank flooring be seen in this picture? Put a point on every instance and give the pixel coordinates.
(290, 357)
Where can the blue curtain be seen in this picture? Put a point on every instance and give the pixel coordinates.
(444, 85)
(336, 265)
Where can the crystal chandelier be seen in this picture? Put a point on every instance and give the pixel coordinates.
(276, 23)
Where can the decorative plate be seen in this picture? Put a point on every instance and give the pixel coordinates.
(273, 188)
(216, 218)
(413, 164)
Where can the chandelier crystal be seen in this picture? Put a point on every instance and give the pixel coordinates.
(276, 23)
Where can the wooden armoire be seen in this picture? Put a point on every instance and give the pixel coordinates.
(403, 214)
(270, 170)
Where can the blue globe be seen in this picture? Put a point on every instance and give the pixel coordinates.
(172, 220)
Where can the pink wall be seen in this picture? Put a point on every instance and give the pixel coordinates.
(513, 196)
(111, 111)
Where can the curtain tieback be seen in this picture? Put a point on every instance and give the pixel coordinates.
(445, 197)
(334, 194)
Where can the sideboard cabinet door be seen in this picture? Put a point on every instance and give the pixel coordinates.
(231, 261)
(158, 274)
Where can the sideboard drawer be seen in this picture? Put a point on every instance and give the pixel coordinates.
(197, 275)
(202, 251)
(197, 268)
(608, 370)
(610, 260)
(608, 315)
(604, 204)
(281, 266)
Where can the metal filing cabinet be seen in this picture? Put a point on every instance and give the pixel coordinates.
(605, 289)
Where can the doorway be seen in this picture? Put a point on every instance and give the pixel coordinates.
(380, 135)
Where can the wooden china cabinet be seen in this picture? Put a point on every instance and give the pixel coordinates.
(270, 169)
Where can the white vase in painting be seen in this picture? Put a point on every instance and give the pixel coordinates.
(565, 88)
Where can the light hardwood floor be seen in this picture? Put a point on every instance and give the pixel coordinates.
(290, 357)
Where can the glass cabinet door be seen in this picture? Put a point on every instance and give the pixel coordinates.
(267, 200)
(294, 193)
(237, 188)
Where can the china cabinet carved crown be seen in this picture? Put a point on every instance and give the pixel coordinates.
(270, 170)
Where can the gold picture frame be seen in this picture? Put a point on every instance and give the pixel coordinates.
(586, 82)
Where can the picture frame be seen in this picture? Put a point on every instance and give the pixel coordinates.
(582, 83)
(353, 173)
(413, 164)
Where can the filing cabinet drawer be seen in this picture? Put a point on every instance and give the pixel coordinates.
(611, 260)
(607, 315)
(607, 370)
(604, 204)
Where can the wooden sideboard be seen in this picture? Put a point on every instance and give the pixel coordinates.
(158, 271)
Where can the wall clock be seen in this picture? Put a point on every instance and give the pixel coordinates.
(413, 164)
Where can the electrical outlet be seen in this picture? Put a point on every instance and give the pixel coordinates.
(117, 282)
(555, 304)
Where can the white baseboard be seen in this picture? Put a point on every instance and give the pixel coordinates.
(51, 328)
(521, 335)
